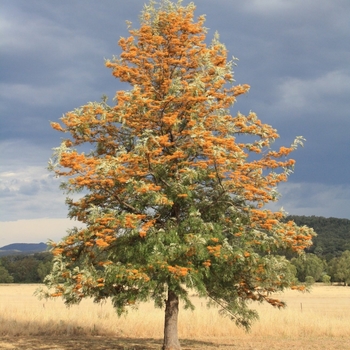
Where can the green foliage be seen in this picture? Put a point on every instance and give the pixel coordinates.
(333, 235)
(339, 268)
(309, 280)
(44, 268)
(28, 268)
(326, 279)
(309, 265)
(330, 245)
(5, 277)
(331, 228)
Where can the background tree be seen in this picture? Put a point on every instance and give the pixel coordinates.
(23, 268)
(174, 188)
(5, 277)
(44, 266)
(309, 265)
(326, 279)
(28, 268)
(339, 268)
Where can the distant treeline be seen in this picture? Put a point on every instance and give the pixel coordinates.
(24, 268)
(327, 260)
(333, 235)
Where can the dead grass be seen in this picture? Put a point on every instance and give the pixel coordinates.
(316, 320)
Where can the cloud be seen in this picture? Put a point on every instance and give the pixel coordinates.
(298, 10)
(269, 7)
(34, 44)
(27, 189)
(30, 193)
(17, 154)
(314, 199)
(34, 231)
(314, 95)
(56, 40)
(55, 94)
(294, 54)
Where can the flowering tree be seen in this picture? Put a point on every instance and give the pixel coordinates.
(173, 198)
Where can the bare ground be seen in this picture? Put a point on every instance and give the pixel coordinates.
(117, 343)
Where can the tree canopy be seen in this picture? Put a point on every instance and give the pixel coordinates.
(309, 265)
(174, 189)
(339, 268)
(5, 277)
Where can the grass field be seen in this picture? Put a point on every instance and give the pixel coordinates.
(316, 320)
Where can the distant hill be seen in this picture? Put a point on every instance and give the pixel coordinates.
(333, 234)
(22, 248)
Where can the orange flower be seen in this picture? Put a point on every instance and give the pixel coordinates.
(57, 126)
(57, 251)
(101, 243)
(207, 263)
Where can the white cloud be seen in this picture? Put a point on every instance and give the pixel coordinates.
(314, 199)
(313, 94)
(27, 189)
(34, 231)
(30, 193)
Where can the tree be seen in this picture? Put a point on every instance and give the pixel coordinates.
(24, 268)
(172, 195)
(340, 268)
(44, 269)
(5, 277)
(309, 265)
(326, 279)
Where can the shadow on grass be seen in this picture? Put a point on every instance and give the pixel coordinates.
(62, 335)
(65, 342)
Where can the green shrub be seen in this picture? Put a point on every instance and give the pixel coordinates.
(309, 280)
(326, 279)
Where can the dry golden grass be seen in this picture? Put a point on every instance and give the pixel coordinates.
(316, 320)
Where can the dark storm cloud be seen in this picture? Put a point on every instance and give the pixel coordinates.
(52, 61)
(295, 55)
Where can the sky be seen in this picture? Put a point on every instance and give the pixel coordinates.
(294, 54)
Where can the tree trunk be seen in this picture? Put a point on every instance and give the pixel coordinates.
(171, 340)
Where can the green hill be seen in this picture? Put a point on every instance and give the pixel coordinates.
(333, 234)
